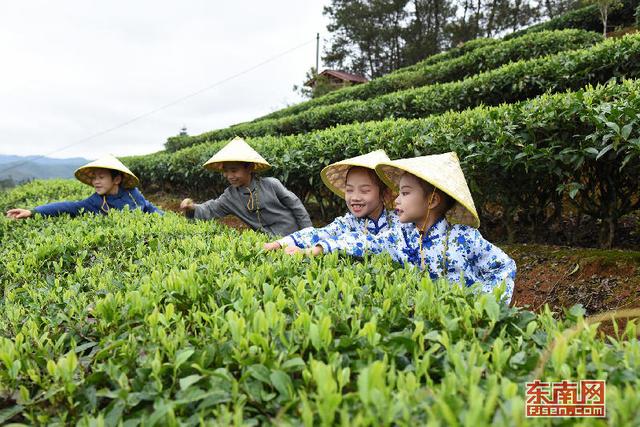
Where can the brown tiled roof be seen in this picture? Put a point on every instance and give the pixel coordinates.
(342, 75)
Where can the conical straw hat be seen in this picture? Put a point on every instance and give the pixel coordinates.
(237, 151)
(335, 175)
(84, 173)
(442, 171)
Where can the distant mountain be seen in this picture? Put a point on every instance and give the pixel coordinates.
(20, 169)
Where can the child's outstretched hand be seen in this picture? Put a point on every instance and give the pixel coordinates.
(18, 213)
(272, 246)
(292, 250)
(187, 205)
(315, 251)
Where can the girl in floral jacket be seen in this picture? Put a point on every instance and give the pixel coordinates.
(439, 232)
(355, 181)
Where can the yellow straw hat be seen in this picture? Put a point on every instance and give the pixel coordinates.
(334, 176)
(443, 171)
(84, 173)
(237, 151)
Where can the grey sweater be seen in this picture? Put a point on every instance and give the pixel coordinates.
(268, 207)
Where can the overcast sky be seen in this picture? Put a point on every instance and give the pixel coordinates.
(73, 68)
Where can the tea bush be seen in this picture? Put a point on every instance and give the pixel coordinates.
(133, 319)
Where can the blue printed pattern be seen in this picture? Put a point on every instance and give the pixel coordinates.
(470, 258)
(349, 223)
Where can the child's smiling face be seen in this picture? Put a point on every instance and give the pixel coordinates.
(104, 183)
(363, 193)
(411, 203)
(237, 173)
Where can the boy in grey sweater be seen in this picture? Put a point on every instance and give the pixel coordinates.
(264, 204)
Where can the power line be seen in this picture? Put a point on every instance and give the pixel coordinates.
(163, 107)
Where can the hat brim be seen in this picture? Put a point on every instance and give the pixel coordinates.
(334, 175)
(219, 165)
(236, 150)
(462, 212)
(84, 174)
(335, 178)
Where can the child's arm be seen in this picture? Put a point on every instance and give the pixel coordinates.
(493, 265)
(59, 208)
(54, 209)
(356, 243)
(145, 205)
(215, 208)
(151, 208)
(292, 202)
(308, 237)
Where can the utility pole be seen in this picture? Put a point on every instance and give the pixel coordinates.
(317, 51)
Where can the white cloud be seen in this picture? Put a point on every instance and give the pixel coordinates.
(74, 68)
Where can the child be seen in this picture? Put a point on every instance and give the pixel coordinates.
(439, 231)
(262, 203)
(115, 185)
(355, 181)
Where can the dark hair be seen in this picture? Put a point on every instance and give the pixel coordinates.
(115, 174)
(243, 164)
(428, 189)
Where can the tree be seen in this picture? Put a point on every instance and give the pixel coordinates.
(367, 35)
(553, 8)
(375, 37)
(301, 89)
(425, 34)
(490, 18)
(604, 7)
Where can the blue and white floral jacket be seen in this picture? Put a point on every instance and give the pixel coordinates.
(457, 252)
(349, 223)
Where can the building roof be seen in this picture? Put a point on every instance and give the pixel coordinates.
(341, 75)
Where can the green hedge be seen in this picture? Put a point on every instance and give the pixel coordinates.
(145, 320)
(586, 18)
(43, 191)
(452, 53)
(509, 83)
(448, 55)
(476, 61)
(523, 157)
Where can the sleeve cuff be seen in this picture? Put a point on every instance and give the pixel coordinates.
(196, 213)
(36, 210)
(287, 241)
(326, 247)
